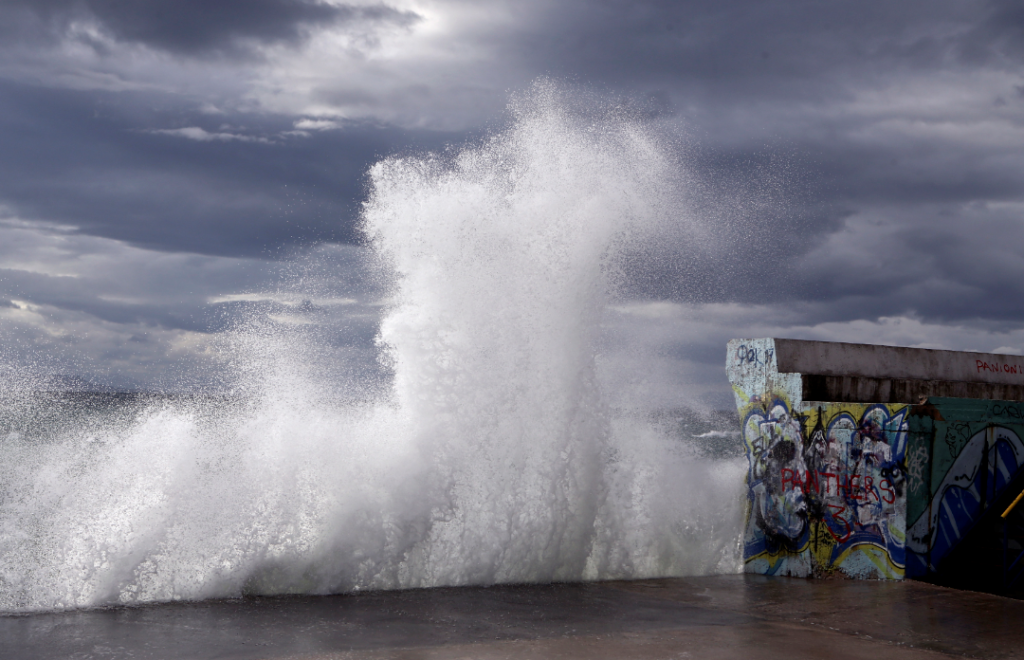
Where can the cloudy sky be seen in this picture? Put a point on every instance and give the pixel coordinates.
(165, 162)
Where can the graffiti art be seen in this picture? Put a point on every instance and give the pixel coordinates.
(983, 459)
(825, 488)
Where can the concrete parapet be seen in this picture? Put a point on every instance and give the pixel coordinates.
(857, 466)
(864, 373)
(868, 360)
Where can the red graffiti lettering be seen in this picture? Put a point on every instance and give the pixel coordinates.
(828, 477)
(811, 482)
(887, 489)
(786, 479)
(869, 488)
(838, 509)
(854, 490)
(1006, 367)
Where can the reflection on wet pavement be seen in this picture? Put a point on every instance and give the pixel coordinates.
(731, 616)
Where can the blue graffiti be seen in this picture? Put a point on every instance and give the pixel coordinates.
(753, 355)
(980, 474)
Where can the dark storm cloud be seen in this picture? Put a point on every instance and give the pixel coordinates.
(852, 234)
(148, 319)
(812, 47)
(94, 160)
(82, 296)
(998, 38)
(199, 26)
(843, 170)
(939, 264)
(850, 161)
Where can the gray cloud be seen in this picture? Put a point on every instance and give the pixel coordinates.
(97, 161)
(194, 27)
(97, 308)
(856, 169)
(773, 47)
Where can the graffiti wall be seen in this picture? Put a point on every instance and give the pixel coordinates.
(963, 455)
(825, 489)
(868, 490)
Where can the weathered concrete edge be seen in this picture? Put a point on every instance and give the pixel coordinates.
(894, 362)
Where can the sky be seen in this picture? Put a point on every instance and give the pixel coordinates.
(165, 164)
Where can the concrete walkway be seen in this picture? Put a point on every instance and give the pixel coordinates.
(731, 616)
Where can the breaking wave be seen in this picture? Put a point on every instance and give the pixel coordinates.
(492, 449)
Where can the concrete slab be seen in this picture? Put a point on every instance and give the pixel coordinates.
(738, 616)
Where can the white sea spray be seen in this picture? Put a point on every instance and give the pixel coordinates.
(492, 454)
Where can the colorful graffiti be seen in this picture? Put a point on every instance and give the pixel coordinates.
(965, 456)
(868, 490)
(825, 488)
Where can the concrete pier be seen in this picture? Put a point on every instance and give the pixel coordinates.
(732, 616)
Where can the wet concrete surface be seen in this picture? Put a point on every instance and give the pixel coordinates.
(732, 616)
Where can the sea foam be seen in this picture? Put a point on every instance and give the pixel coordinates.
(493, 450)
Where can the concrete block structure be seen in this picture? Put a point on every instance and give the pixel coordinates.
(872, 461)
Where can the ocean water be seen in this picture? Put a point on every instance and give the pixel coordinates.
(491, 448)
